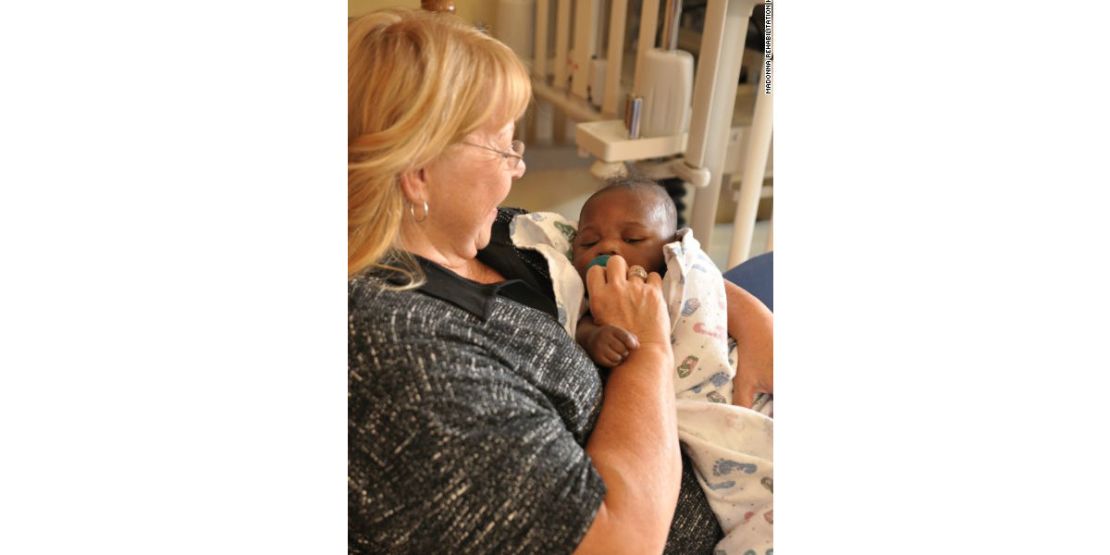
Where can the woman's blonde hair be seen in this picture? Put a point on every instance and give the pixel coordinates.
(417, 82)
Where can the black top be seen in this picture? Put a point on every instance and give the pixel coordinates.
(469, 409)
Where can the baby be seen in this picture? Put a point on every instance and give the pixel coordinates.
(729, 445)
(634, 219)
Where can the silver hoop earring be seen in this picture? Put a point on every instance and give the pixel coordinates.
(412, 211)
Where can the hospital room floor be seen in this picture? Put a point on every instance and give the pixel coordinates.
(557, 180)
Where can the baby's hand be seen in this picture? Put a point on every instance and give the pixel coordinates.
(609, 345)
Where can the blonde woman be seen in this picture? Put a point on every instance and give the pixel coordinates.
(476, 424)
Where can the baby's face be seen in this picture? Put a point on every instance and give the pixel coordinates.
(631, 223)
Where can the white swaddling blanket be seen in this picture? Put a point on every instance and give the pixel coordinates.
(730, 446)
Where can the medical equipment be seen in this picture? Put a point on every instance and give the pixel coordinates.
(668, 80)
(698, 156)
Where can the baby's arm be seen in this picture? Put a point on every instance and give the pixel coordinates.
(751, 324)
(607, 345)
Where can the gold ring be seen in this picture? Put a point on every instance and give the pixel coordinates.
(637, 271)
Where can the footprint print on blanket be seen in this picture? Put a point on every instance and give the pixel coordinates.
(725, 466)
(720, 485)
(719, 379)
(690, 307)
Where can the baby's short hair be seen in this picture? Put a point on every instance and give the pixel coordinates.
(638, 182)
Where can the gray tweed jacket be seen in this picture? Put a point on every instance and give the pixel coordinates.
(469, 408)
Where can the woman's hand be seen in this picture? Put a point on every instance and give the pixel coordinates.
(635, 443)
(751, 324)
(755, 373)
(629, 302)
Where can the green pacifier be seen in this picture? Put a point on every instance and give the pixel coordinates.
(599, 261)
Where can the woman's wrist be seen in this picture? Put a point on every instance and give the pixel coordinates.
(653, 354)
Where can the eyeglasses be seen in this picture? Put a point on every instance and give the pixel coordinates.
(511, 158)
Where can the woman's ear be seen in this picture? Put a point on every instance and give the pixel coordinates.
(414, 185)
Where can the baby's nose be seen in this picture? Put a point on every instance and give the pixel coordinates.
(609, 247)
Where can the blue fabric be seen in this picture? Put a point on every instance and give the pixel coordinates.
(756, 276)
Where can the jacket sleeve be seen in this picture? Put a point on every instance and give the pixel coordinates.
(450, 452)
